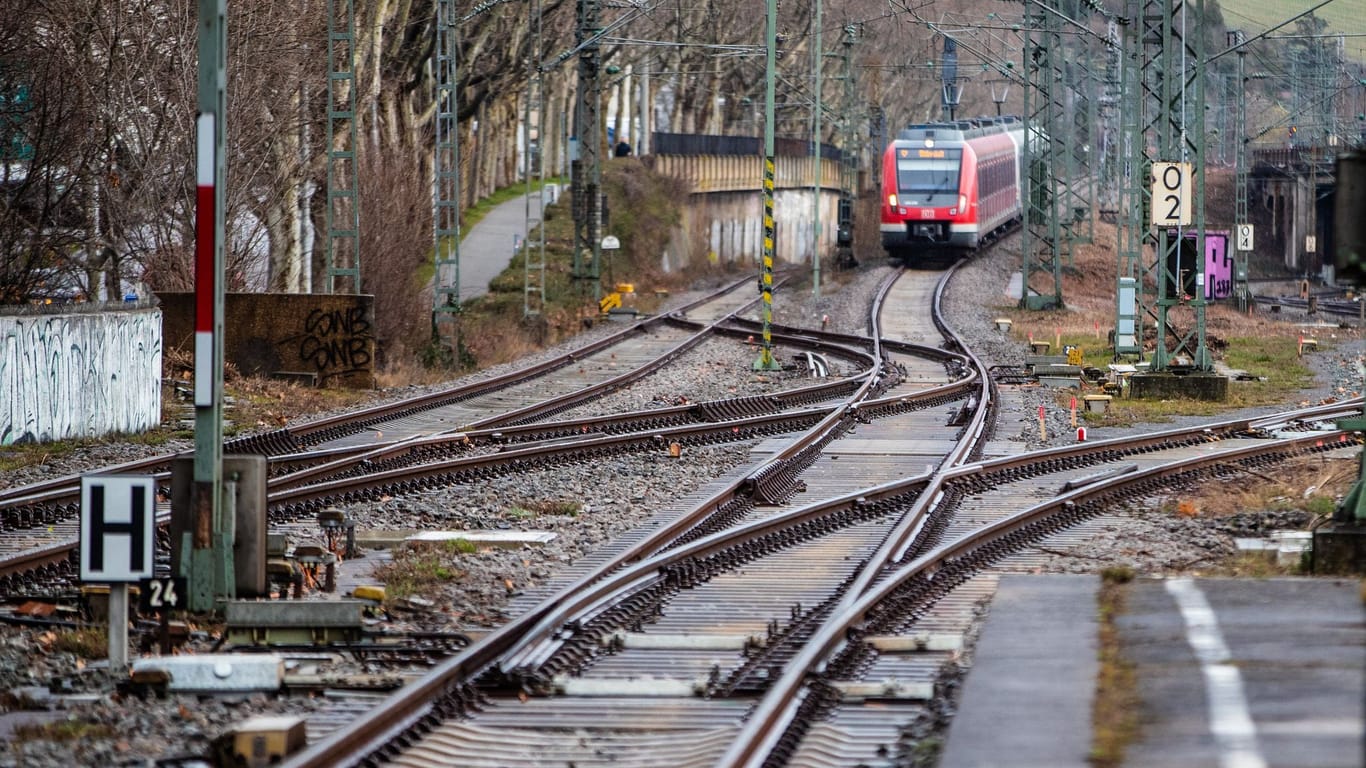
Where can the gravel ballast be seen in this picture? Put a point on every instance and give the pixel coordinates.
(601, 501)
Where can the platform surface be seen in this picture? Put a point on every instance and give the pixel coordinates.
(1232, 673)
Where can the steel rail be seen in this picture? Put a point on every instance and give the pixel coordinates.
(463, 392)
(285, 441)
(64, 490)
(642, 569)
(418, 701)
(287, 438)
(531, 638)
(286, 490)
(776, 712)
(541, 410)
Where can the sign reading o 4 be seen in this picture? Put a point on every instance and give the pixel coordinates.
(1171, 194)
(118, 519)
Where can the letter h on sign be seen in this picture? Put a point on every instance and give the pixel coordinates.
(118, 519)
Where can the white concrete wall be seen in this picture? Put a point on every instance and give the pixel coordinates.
(79, 375)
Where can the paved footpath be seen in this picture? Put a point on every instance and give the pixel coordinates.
(1232, 673)
(486, 249)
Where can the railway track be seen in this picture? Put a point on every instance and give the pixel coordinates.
(738, 628)
(493, 417)
(439, 409)
(716, 638)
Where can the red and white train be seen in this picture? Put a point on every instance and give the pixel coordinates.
(947, 187)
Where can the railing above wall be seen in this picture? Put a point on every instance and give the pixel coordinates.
(735, 163)
(690, 144)
(1294, 159)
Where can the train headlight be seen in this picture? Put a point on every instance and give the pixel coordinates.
(963, 203)
(891, 200)
(929, 143)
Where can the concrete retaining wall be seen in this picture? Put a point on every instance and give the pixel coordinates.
(726, 209)
(76, 375)
(328, 338)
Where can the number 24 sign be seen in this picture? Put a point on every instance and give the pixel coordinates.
(163, 594)
(1171, 194)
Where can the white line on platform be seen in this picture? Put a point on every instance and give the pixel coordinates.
(1230, 722)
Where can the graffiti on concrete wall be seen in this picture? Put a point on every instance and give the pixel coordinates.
(79, 375)
(335, 341)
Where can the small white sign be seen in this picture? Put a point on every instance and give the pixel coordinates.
(1171, 194)
(118, 527)
(610, 243)
(1310, 242)
(1244, 237)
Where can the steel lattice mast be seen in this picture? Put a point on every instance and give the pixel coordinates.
(1134, 193)
(1173, 62)
(1241, 289)
(1040, 240)
(533, 141)
(446, 186)
(343, 203)
(586, 167)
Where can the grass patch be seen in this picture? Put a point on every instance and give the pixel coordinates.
(1312, 485)
(1264, 14)
(85, 642)
(1114, 717)
(28, 455)
(421, 570)
(1257, 565)
(63, 730)
(261, 403)
(1273, 358)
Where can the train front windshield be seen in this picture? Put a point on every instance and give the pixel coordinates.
(928, 176)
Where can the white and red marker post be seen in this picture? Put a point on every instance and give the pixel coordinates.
(206, 548)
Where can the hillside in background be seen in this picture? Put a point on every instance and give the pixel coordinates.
(1347, 17)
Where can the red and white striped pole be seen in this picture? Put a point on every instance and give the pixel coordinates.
(206, 554)
(205, 262)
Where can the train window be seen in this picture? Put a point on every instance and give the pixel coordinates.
(924, 177)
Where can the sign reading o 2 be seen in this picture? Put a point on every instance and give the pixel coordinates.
(1171, 194)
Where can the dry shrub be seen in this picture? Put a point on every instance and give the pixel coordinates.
(396, 242)
(493, 340)
(644, 214)
(1307, 484)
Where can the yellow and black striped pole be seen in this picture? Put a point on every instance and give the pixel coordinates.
(766, 361)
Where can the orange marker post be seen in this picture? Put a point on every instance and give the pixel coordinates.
(1074, 412)
(1057, 337)
(1043, 428)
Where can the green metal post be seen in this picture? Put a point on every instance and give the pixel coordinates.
(1176, 61)
(206, 556)
(1349, 257)
(533, 133)
(766, 361)
(587, 167)
(1040, 240)
(1129, 293)
(817, 55)
(849, 154)
(446, 186)
(343, 202)
(1242, 289)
